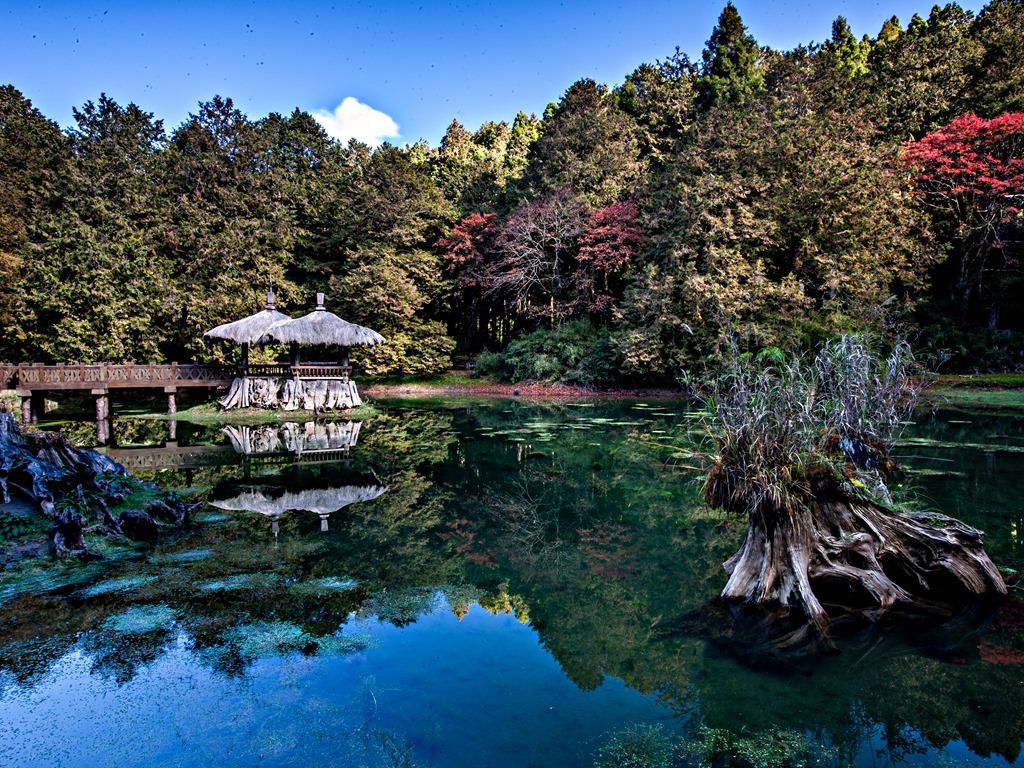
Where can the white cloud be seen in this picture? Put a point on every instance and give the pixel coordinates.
(354, 120)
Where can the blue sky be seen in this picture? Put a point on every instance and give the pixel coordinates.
(403, 70)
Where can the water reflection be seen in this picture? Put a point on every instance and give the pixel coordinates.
(320, 501)
(562, 535)
(311, 439)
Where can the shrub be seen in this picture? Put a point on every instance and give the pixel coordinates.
(491, 365)
(575, 353)
(772, 748)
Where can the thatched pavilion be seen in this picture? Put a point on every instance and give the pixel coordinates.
(309, 386)
(322, 328)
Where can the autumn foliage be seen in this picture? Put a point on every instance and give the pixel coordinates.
(860, 184)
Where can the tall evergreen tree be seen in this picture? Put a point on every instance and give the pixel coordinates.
(587, 145)
(729, 70)
(845, 52)
(34, 159)
(999, 71)
(229, 231)
(921, 79)
(660, 98)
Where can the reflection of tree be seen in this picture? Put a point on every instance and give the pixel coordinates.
(916, 698)
(589, 537)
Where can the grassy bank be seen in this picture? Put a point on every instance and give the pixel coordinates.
(990, 391)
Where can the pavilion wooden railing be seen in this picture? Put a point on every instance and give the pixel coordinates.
(301, 371)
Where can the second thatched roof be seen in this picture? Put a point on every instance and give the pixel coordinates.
(249, 330)
(323, 327)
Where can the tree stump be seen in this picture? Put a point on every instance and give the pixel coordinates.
(833, 554)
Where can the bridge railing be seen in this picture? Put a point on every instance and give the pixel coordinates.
(119, 375)
(36, 376)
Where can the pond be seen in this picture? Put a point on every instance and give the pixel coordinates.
(494, 584)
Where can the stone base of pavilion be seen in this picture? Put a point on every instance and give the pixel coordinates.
(287, 393)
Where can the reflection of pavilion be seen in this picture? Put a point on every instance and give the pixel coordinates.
(321, 501)
(288, 442)
(328, 441)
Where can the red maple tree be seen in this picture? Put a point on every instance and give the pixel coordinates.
(606, 249)
(972, 172)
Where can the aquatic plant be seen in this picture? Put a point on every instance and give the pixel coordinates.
(771, 748)
(638, 746)
(140, 619)
(799, 445)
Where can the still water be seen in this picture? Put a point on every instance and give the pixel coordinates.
(497, 584)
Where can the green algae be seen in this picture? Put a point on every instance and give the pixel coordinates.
(121, 585)
(141, 619)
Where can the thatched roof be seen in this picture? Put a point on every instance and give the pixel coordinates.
(322, 501)
(323, 327)
(249, 330)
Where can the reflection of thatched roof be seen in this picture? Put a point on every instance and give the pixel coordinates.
(321, 501)
(323, 327)
(249, 330)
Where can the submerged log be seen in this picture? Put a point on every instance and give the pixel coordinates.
(66, 482)
(833, 554)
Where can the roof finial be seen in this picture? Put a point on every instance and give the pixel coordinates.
(320, 302)
(270, 294)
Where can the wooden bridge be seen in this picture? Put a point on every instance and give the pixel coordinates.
(31, 381)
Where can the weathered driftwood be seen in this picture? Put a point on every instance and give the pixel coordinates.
(835, 554)
(44, 466)
(289, 394)
(46, 469)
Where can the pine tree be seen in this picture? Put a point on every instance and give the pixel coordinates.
(729, 71)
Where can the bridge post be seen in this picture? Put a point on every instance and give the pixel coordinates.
(26, 410)
(172, 406)
(102, 403)
(102, 415)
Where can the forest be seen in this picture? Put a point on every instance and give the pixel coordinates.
(773, 198)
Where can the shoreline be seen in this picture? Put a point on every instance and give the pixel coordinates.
(521, 391)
